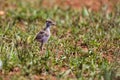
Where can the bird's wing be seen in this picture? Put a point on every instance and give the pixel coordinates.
(41, 34)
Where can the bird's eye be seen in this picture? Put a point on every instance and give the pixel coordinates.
(49, 22)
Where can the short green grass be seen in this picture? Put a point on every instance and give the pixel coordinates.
(74, 52)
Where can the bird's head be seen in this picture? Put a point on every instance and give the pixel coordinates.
(49, 23)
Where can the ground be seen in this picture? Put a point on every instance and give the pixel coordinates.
(94, 5)
(84, 45)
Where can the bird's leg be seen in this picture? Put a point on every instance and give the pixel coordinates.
(41, 46)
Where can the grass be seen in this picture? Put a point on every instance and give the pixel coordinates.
(83, 46)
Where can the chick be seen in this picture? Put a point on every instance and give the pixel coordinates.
(44, 34)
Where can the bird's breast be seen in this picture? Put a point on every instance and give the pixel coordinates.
(45, 39)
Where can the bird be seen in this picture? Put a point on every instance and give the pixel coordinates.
(44, 35)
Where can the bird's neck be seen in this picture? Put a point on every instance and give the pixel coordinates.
(47, 27)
